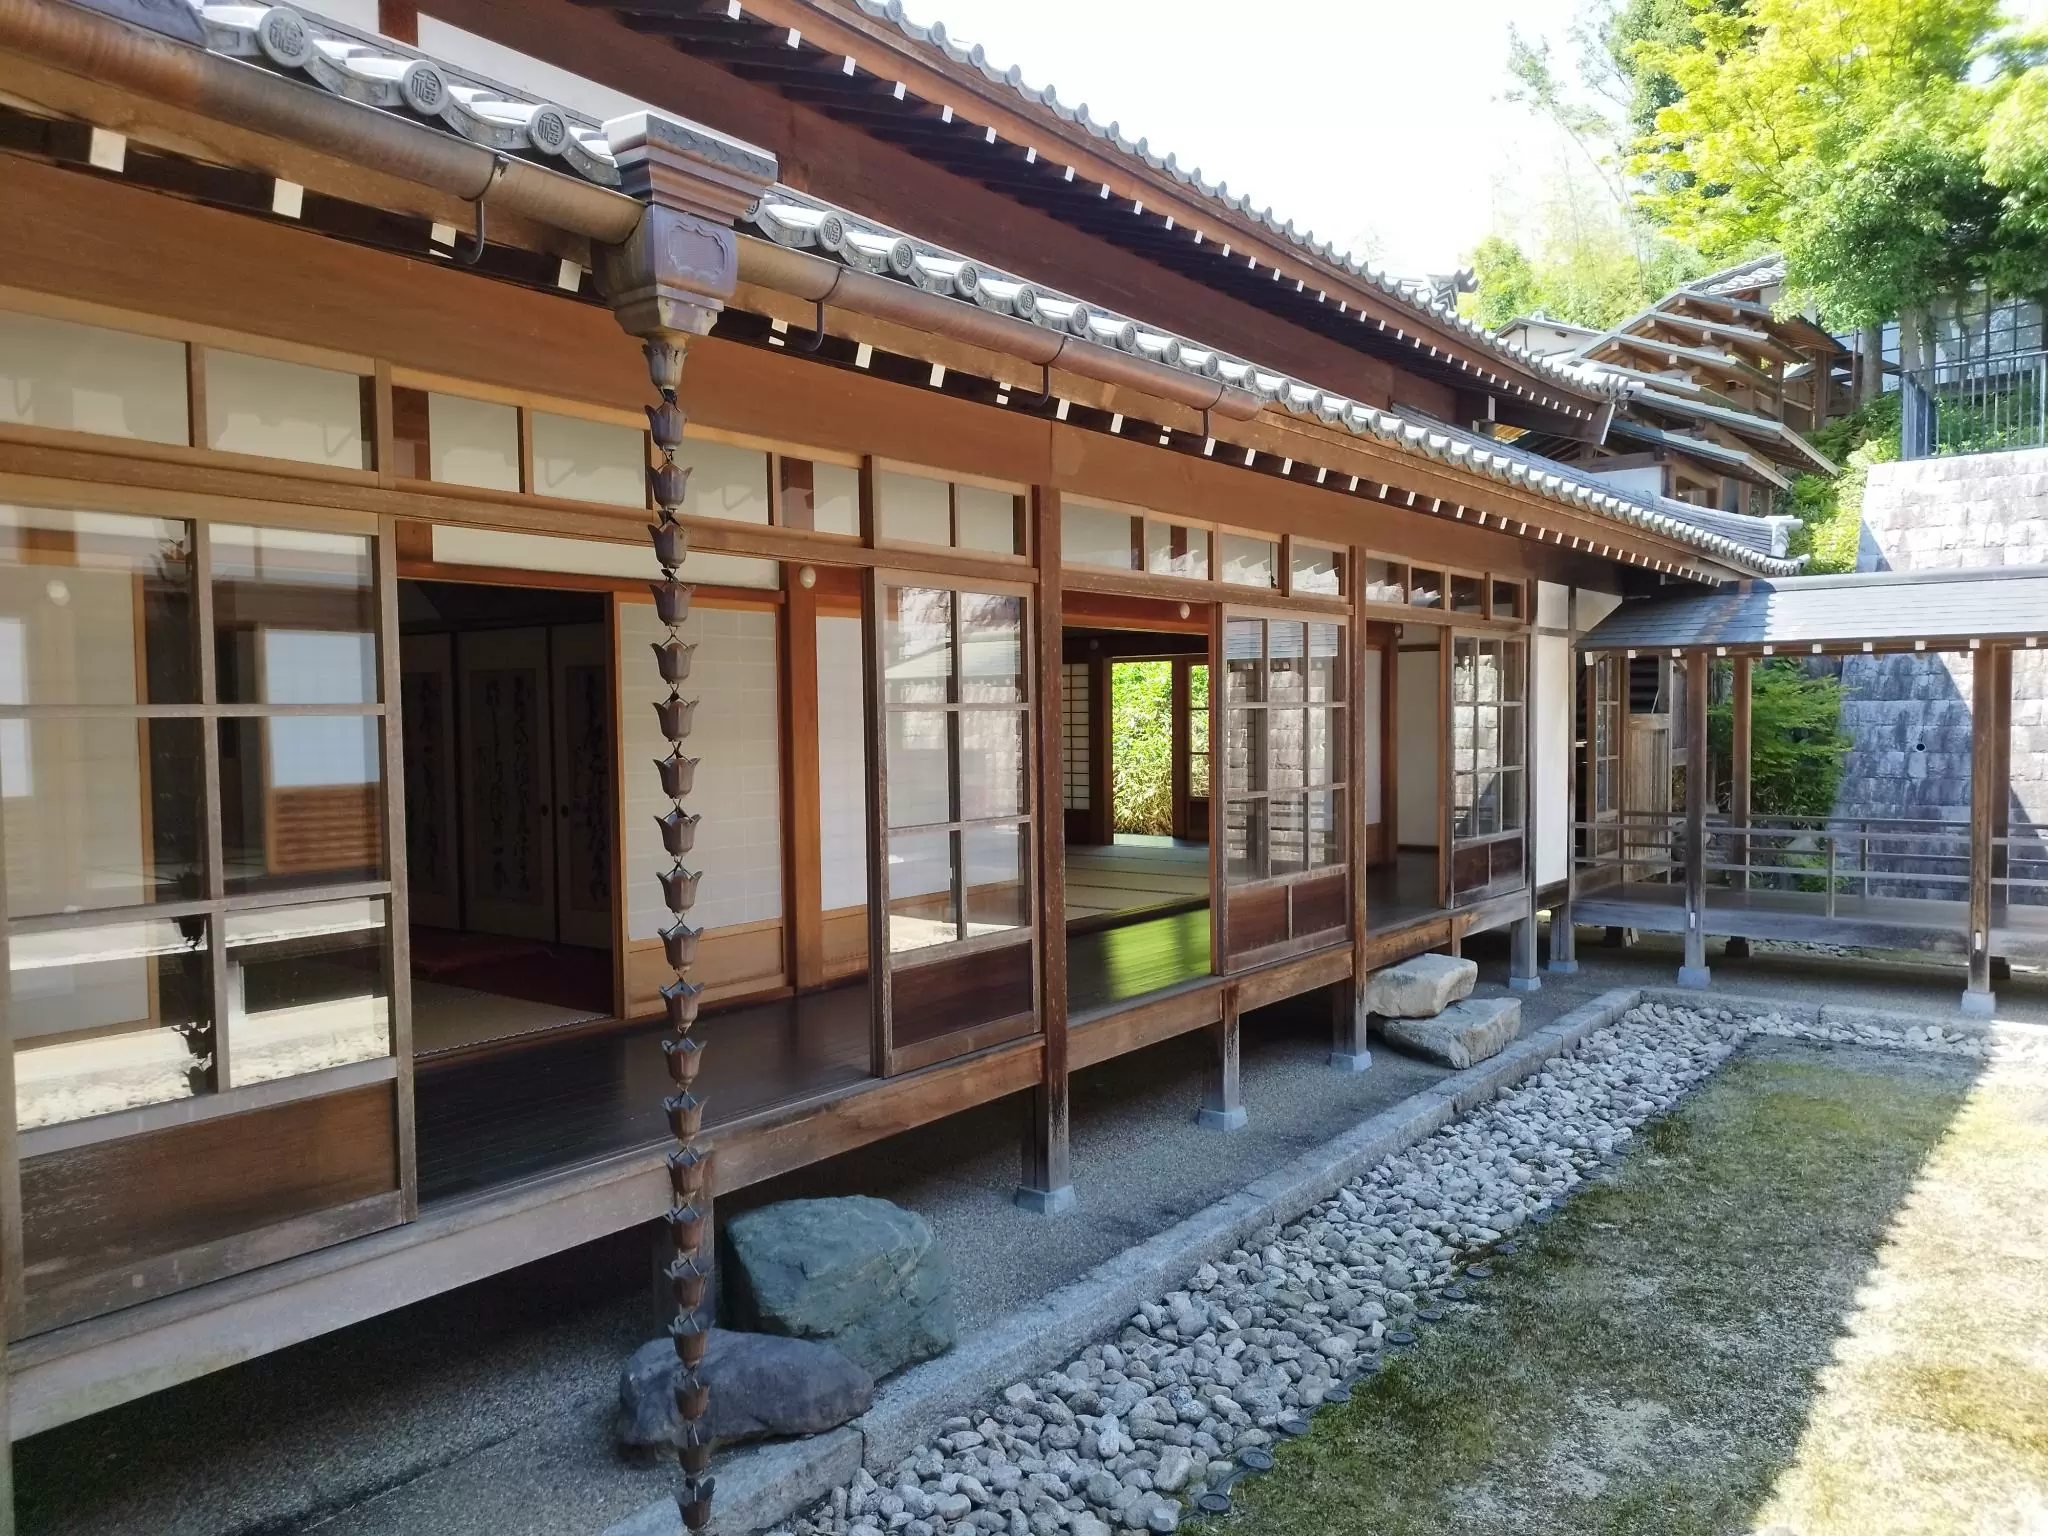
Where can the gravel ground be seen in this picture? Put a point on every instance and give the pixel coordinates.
(488, 1407)
(1202, 1384)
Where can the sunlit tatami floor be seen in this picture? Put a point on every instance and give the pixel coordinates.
(1134, 874)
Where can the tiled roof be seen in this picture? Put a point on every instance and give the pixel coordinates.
(1757, 272)
(378, 72)
(794, 219)
(1998, 603)
(1413, 295)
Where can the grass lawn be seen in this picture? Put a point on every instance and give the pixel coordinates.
(1813, 1301)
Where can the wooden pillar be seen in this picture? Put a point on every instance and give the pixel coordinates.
(1349, 1051)
(1985, 794)
(1223, 1101)
(803, 875)
(2001, 805)
(1698, 787)
(1564, 934)
(1524, 974)
(1048, 1185)
(1740, 753)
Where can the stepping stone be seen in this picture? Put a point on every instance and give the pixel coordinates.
(1420, 988)
(1463, 1033)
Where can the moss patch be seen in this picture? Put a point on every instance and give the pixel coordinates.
(1809, 1299)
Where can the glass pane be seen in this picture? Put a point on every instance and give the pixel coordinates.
(95, 608)
(306, 989)
(921, 907)
(1486, 738)
(100, 812)
(917, 646)
(1318, 570)
(998, 896)
(835, 499)
(287, 411)
(295, 616)
(1244, 666)
(1198, 732)
(1171, 550)
(1244, 750)
(107, 1019)
(1325, 663)
(1511, 738)
(1244, 840)
(1286, 748)
(301, 801)
(1325, 751)
(1464, 671)
(1289, 837)
(1507, 599)
(991, 649)
(82, 378)
(989, 520)
(1468, 595)
(472, 442)
(1486, 804)
(1489, 671)
(912, 509)
(1095, 536)
(1325, 829)
(1463, 791)
(1512, 801)
(1513, 681)
(1425, 588)
(1248, 562)
(920, 759)
(1287, 662)
(992, 777)
(1385, 582)
(582, 460)
(726, 482)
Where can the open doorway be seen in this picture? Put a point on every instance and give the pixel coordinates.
(1135, 776)
(509, 791)
(1405, 882)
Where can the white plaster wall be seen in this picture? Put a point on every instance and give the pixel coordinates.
(842, 764)
(1419, 703)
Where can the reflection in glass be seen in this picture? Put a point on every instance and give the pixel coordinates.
(917, 646)
(1172, 550)
(991, 649)
(997, 894)
(1289, 849)
(1248, 562)
(992, 777)
(294, 616)
(1317, 570)
(95, 608)
(283, 410)
(1385, 582)
(1324, 753)
(301, 801)
(1425, 588)
(1244, 669)
(1324, 828)
(1286, 747)
(1245, 758)
(306, 989)
(99, 812)
(108, 1018)
(1287, 659)
(1325, 663)
(922, 911)
(920, 758)
(1507, 599)
(1467, 595)
(1244, 840)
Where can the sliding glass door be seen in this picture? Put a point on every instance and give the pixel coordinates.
(1489, 765)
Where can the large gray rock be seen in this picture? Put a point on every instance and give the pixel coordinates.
(1463, 1033)
(858, 1273)
(1420, 988)
(761, 1384)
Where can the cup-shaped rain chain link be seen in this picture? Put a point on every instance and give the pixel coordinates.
(689, 1167)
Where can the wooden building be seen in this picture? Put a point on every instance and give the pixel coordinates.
(334, 917)
(1721, 392)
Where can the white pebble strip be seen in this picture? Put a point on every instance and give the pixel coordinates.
(1124, 1434)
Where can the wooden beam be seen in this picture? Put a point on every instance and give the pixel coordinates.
(1698, 785)
(1985, 794)
(1223, 1099)
(1741, 749)
(1048, 1184)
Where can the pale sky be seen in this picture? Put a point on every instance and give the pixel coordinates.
(1371, 122)
(1378, 124)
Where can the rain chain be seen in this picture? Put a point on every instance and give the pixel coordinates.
(689, 1166)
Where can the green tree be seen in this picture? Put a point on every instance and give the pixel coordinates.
(1141, 747)
(1796, 742)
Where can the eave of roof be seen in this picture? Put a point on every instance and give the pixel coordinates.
(1753, 427)
(800, 221)
(1702, 448)
(1332, 274)
(1883, 609)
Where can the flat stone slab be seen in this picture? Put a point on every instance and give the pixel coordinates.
(1420, 988)
(1473, 1030)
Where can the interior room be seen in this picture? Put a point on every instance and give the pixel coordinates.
(1403, 878)
(510, 760)
(1135, 776)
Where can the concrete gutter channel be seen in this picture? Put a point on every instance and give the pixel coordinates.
(766, 1485)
